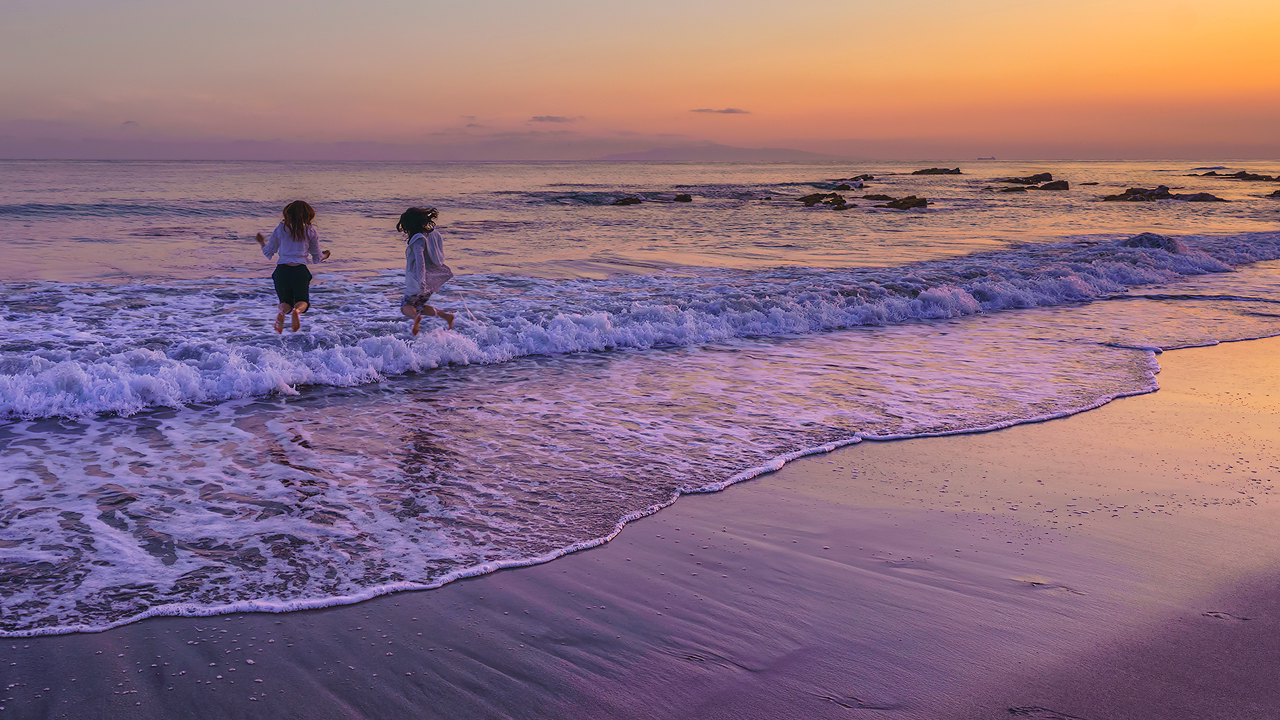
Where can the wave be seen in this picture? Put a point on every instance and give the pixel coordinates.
(79, 350)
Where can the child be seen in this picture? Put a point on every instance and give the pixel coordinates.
(294, 239)
(424, 268)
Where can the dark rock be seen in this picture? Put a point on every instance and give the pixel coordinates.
(1019, 188)
(684, 197)
(1241, 175)
(1030, 179)
(876, 197)
(1275, 194)
(1160, 193)
(1056, 185)
(1157, 242)
(906, 203)
(825, 198)
(938, 171)
(860, 178)
(1089, 183)
(844, 186)
(628, 201)
(1252, 177)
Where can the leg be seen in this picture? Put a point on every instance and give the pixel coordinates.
(283, 308)
(447, 317)
(299, 308)
(412, 313)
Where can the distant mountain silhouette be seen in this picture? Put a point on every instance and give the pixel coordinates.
(711, 152)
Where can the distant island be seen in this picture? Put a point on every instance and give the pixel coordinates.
(711, 152)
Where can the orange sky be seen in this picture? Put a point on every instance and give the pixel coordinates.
(901, 79)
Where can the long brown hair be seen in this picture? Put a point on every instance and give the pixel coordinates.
(297, 218)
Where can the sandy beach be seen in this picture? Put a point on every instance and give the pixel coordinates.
(1120, 563)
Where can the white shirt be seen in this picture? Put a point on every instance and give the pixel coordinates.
(292, 250)
(422, 252)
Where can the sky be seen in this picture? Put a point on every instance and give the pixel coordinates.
(576, 79)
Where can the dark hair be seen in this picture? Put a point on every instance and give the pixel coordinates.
(417, 220)
(297, 218)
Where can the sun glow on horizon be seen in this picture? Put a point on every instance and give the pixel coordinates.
(835, 77)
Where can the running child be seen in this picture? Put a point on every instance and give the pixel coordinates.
(424, 268)
(294, 239)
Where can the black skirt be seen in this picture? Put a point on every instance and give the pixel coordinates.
(293, 283)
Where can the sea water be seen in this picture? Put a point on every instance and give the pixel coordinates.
(163, 451)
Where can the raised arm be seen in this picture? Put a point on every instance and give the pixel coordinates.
(270, 245)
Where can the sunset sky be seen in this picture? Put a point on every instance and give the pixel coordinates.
(575, 79)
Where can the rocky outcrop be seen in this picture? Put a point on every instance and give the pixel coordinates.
(877, 197)
(1055, 185)
(1242, 175)
(907, 203)
(1030, 179)
(835, 200)
(1160, 193)
(1275, 194)
(1157, 242)
(684, 197)
(628, 201)
(938, 171)
(1089, 183)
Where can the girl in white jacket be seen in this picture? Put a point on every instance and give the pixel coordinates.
(424, 268)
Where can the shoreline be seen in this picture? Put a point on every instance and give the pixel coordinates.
(887, 576)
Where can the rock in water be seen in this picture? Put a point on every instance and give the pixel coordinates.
(825, 198)
(1158, 242)
(906, 203)
(938, 171)
(684, 197)
(628, 201)
(1275, 194)
(1161, 193)
(876, 197)
(1030, 179)
(1056, 185)
(1018, 188)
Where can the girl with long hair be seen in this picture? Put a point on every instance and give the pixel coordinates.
(424, 268)
(294, 239)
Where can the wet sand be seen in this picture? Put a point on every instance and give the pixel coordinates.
(1121, 563)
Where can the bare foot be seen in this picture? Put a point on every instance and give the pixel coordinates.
(279, 326)
(447, 317)
(417, 320)
(297, 322)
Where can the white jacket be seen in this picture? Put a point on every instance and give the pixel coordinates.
(424, 268)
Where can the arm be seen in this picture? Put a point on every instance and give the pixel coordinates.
(270, 245)
(435, 247)
(313, 246)
(418, 264)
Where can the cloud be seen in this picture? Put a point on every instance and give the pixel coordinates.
(725, 111)
(129, 123)
(553, 119)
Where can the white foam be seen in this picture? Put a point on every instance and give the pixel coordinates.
(127, 348)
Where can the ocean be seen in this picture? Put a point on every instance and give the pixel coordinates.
(164, 452)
